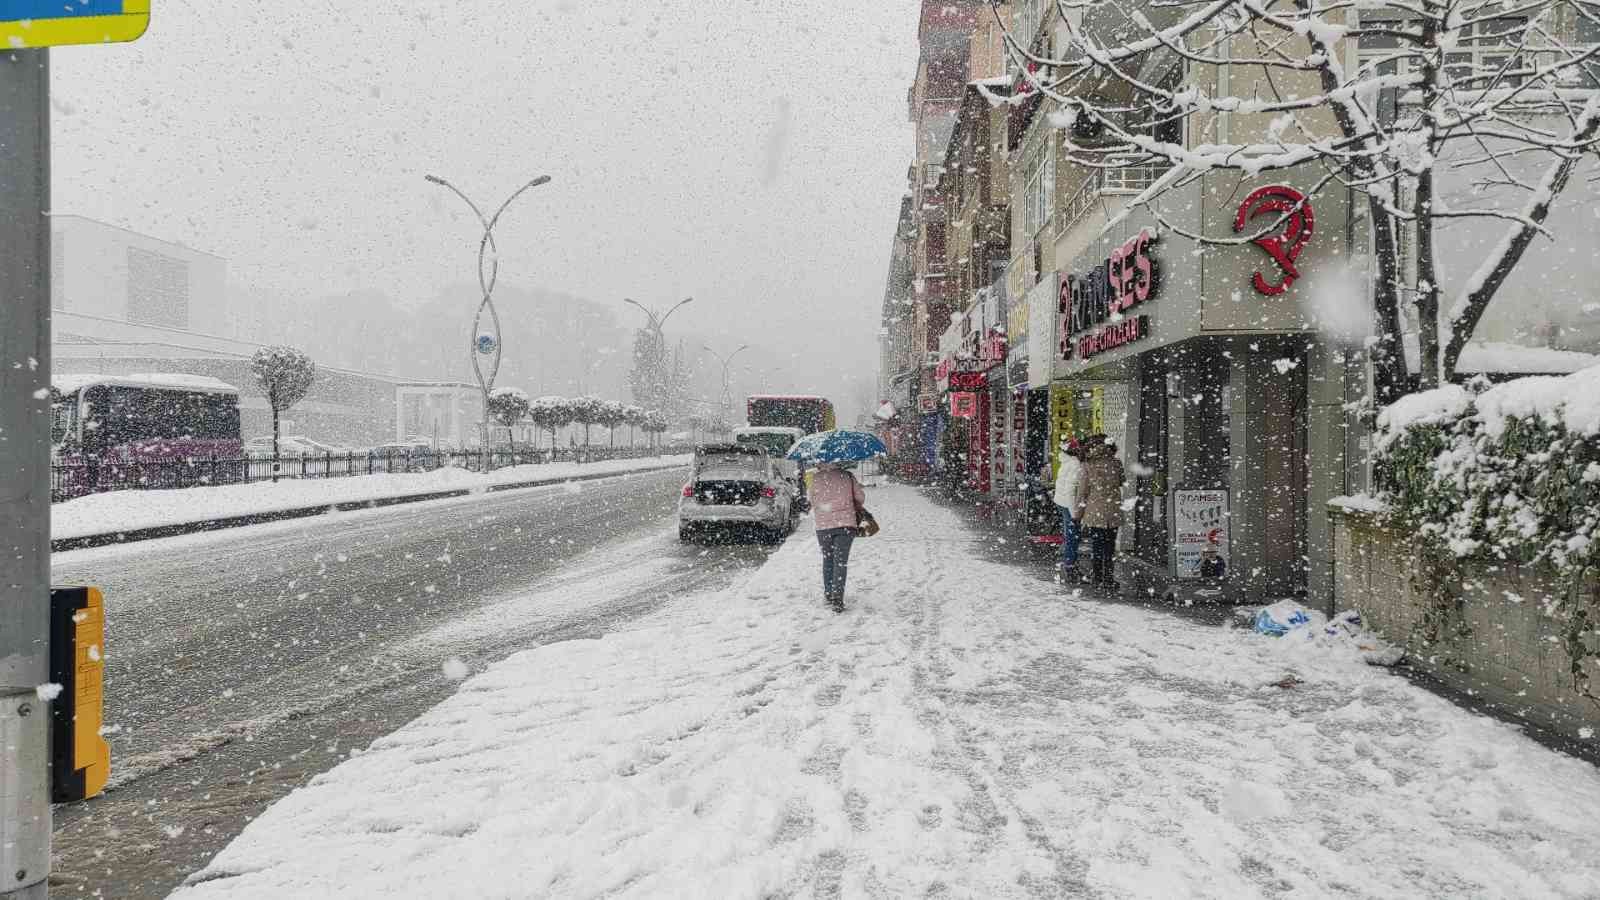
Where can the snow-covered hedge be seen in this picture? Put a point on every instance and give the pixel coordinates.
(1509, 473)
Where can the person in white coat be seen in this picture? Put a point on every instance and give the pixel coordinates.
(1069, 480)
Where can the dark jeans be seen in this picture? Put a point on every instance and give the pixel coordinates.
(1103, 546)
(1069, 539)
(835, 559)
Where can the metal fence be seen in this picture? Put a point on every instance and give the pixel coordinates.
(76, 478)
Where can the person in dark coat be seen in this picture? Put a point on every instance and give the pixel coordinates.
(1100, 508)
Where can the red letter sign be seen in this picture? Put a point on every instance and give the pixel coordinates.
(1283, 201)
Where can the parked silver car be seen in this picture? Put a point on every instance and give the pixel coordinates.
(736, 488)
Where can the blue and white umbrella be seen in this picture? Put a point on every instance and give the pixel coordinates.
(837, 447)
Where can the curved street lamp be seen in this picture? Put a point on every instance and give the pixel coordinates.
(727, 361)
(656, 325)
(482, 344)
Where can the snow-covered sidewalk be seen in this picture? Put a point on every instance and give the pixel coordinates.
(134, 510)
(962, 731)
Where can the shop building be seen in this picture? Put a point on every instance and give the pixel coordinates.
(1204, 365)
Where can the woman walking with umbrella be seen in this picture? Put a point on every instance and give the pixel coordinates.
(838, 502)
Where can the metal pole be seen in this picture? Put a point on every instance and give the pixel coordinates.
(25, 460)
(486, 282)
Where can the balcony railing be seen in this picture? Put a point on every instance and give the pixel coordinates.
(1126, 181)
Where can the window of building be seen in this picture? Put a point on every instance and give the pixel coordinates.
(158, 289)
(1482, 49)
(1039, 189)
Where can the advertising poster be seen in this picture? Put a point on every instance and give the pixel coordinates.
(1200, 543)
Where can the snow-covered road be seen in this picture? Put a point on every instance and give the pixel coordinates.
(961, 731)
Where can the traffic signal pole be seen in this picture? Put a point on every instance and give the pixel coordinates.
(24, 472)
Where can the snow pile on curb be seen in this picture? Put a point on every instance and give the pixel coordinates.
(133, 510)
(964, 730)
(1306, 627)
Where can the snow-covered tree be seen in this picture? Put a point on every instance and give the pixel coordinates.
(651, 372)
(588, 412)
(1382, 98)
(508, 406)
(654, 423)
(612, 415)
(285, 375)
(634, 417)
(551, 414)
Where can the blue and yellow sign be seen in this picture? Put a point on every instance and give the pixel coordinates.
(52, 23)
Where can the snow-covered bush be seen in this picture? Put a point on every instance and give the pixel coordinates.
(509, 405)
(1502, 474)
(551, 414)
(588, 412)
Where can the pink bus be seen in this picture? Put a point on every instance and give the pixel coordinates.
(106, 425)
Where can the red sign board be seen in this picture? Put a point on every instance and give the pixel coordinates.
(1292, 207)
(1087, 301)
(968, 381)
(964, 406)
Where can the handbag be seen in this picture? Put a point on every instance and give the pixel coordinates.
(866, 525)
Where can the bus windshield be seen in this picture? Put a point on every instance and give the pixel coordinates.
(809, 414)
(776, 443)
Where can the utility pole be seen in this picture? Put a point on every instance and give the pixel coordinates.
(658, 344)
(25, 460)
(484, 343)
(727, 391)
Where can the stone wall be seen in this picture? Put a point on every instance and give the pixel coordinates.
(1501, 644)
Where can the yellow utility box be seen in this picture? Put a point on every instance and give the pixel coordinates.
(80, 759)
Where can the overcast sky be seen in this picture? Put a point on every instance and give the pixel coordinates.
(749, 153)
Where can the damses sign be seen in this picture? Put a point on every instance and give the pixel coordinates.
(1086, 302)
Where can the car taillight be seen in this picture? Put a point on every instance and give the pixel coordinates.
(769, 492)
(688, 490)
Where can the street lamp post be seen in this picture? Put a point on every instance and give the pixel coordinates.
(658, 322)
(727, 392)
(482, 343)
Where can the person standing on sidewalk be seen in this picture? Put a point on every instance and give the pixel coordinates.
(1100, 508)
(836, 502)
(1069, 474)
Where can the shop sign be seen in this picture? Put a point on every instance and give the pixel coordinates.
(1017, 341)
(988, 350)
(964, 406)
(927, 404)
(1092, 305)
(1201, 538)
(1281, 202)
(968, 381)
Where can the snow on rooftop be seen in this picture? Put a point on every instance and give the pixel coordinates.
(66, 384)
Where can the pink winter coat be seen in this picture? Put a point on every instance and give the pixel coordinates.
(834, 495)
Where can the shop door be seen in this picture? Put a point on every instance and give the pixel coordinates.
(1150, 515)
(1284, 483)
